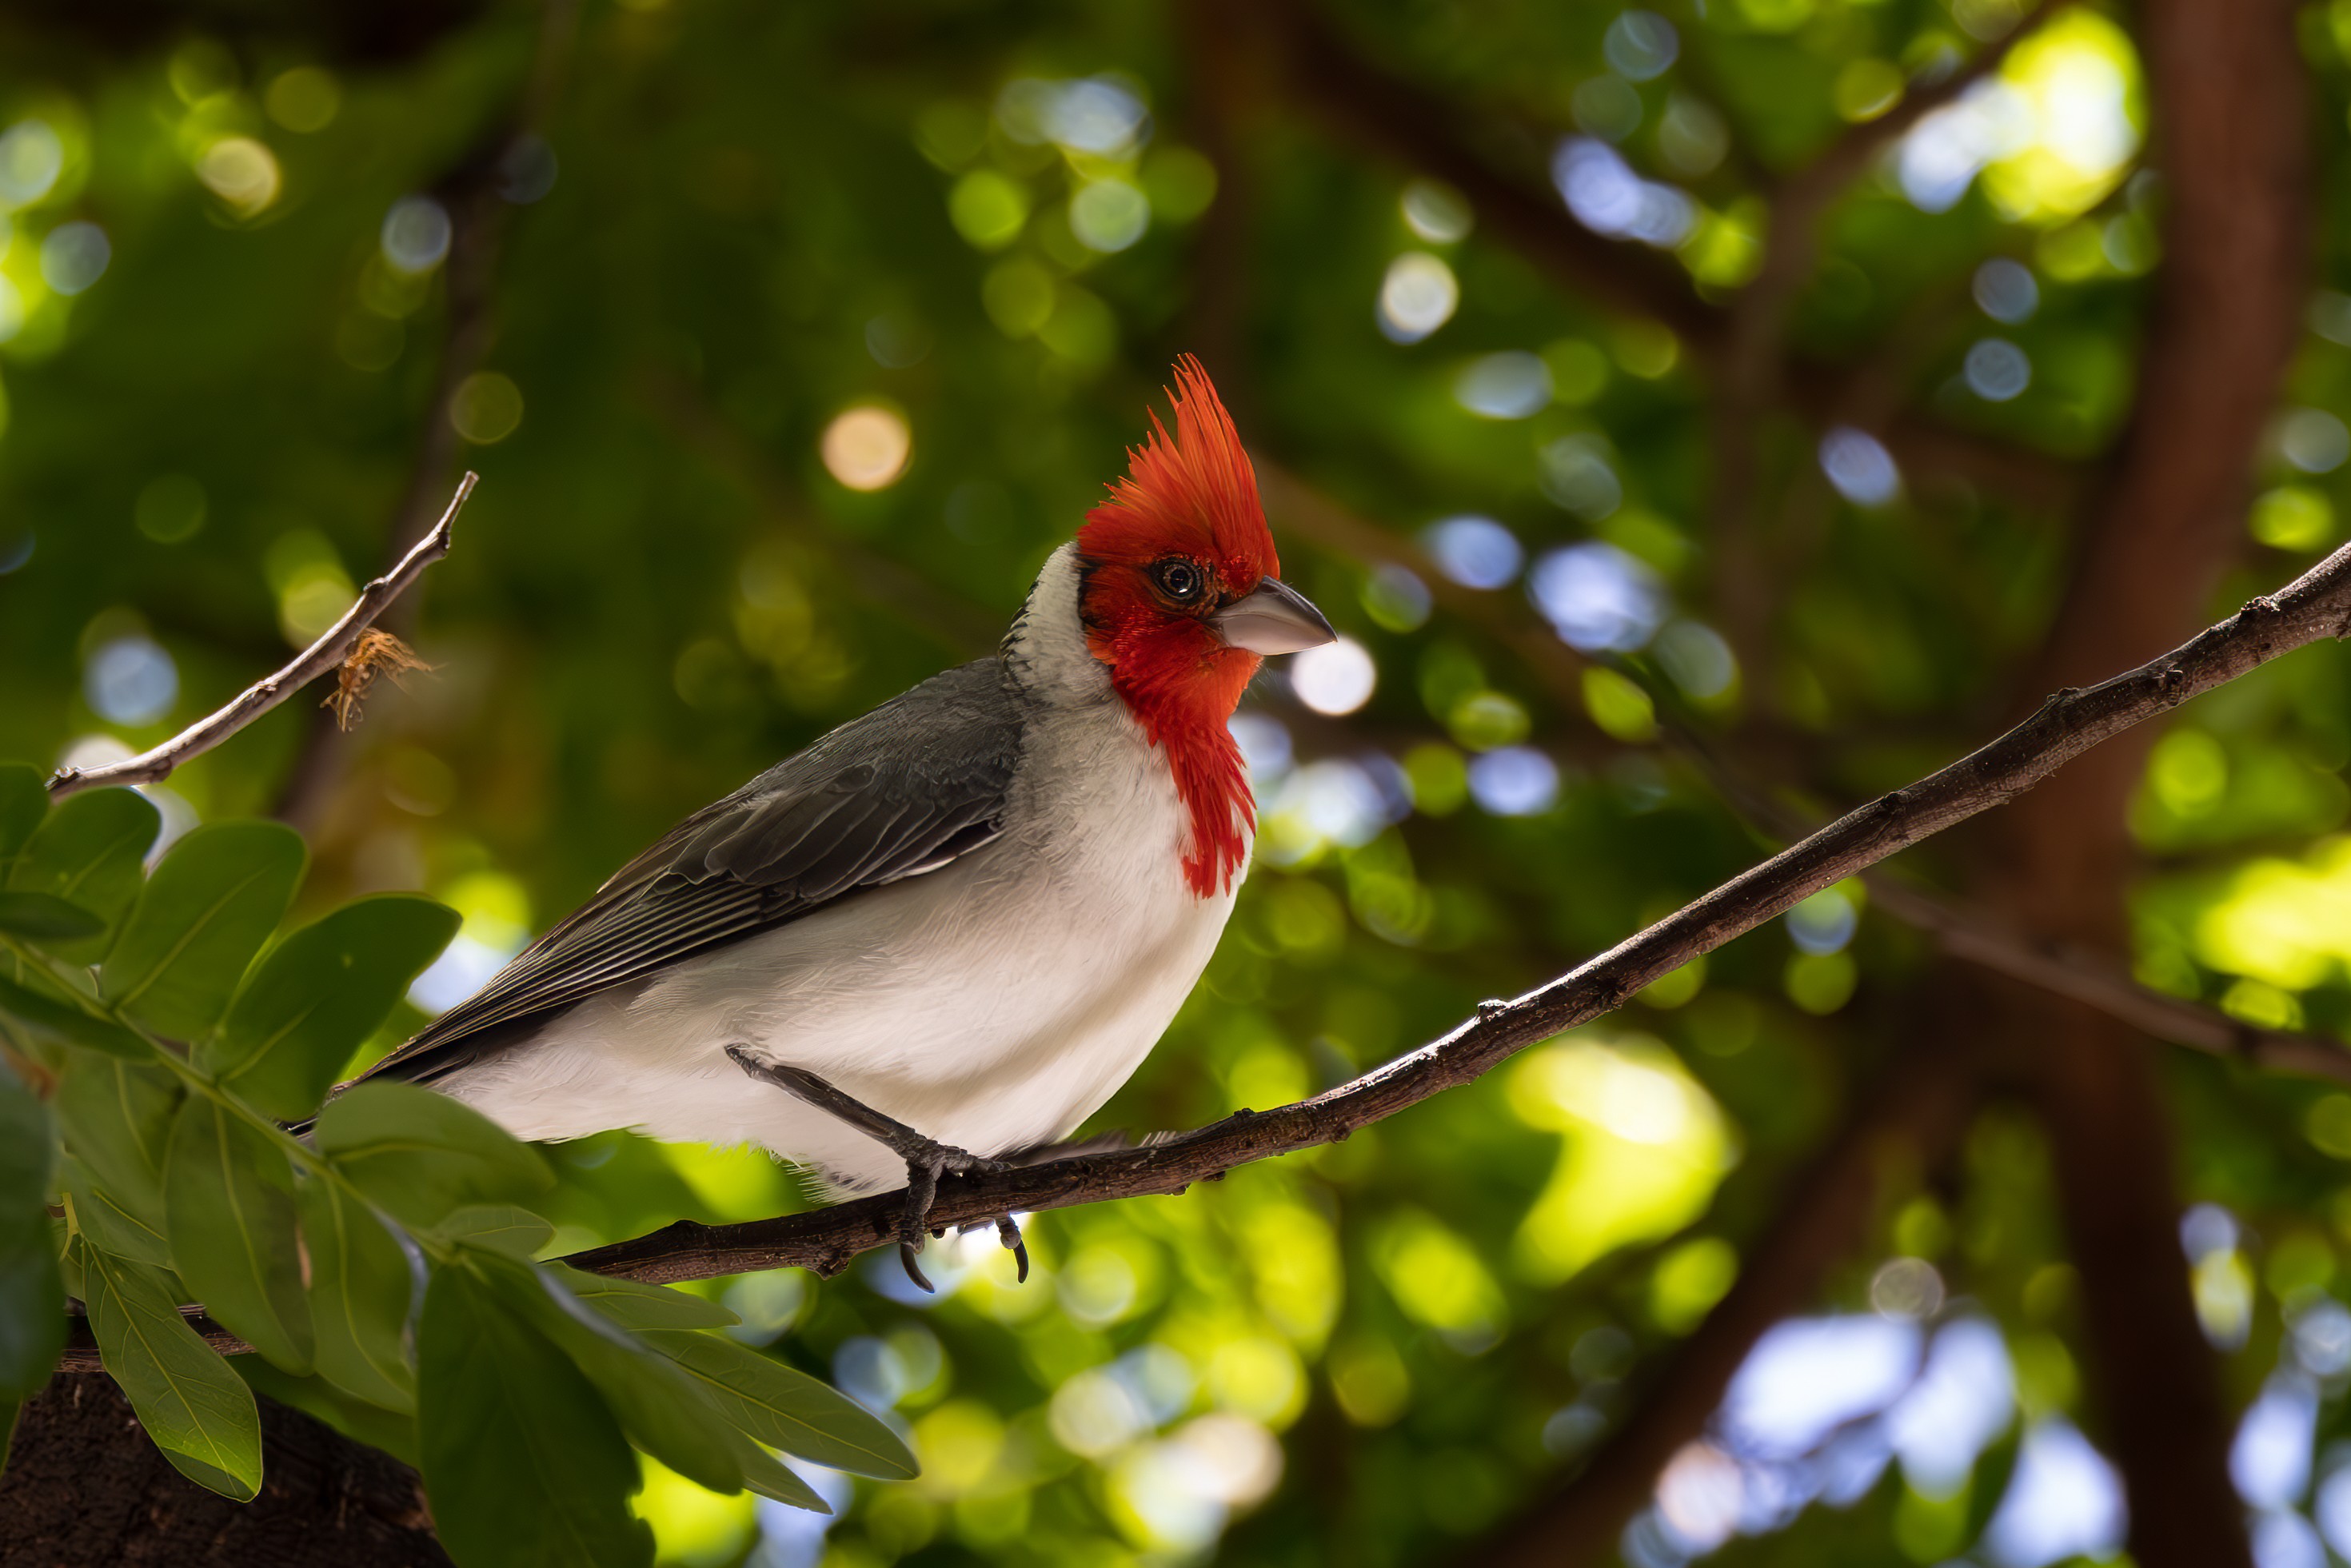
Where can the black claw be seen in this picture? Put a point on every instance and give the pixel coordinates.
(914, 1269)
(1009, 1232)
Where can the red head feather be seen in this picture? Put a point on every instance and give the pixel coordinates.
(1191, 496)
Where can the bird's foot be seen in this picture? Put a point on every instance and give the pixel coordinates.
(927, 1159)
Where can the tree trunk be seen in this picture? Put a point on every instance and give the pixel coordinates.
(85, 1489)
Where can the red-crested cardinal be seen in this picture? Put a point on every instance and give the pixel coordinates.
(951, 928)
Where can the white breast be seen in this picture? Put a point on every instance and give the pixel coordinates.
(993, 1004)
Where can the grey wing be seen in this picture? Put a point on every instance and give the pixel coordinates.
(903, 790)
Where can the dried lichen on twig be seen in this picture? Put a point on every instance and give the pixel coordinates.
(377, 653)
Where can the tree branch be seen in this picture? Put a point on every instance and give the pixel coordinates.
(326, 654)
(1963, 930)
(2316, 607)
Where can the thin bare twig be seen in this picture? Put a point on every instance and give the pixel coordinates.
(319, 658)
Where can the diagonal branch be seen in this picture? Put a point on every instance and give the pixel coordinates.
(325, 654)
(1963, 930)
(2314, 608)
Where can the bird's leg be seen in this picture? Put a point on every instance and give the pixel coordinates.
(927, 1159)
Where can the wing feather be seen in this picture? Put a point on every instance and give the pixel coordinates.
(918, 783)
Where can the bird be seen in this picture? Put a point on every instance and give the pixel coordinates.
(943, 934)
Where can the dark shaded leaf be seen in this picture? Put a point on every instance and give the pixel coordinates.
(24, 801)
(201, 918)
(633, 1304)
(46, 919)
(64, 1020)
(228, 1210)
(421, 1154)
(190, 1403)
(787, 1410)
(32, 1298)
(319, 996)
(89, 850)
(524, 1462)
(657, 1405)
(360, 1291)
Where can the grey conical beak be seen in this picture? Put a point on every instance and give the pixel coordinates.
(1276, 618)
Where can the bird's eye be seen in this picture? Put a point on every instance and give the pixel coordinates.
(1179, 579)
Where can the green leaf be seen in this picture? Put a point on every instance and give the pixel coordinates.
(89, 850)
(63, 1021)
(192, 1404)
(117, 1119)
(203, 915)
(360, 1290)
(522, 1461)
(9, 1410)
(633, 1304)
(658, 1406)
(769, 1477)
(421, 1154)
(499, 1227)
(228, 1209)
(319, 996)
(32, 1297)
(24, 801)
(69, 1023)
(98, 1215)
(46, 919)
(393, 1431)
(787, 1410)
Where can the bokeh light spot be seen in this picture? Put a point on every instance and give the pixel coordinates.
(1418, 295)
(1109, 215)
(241, 172)
(485, 408)
(74, 256)
(131, 680)
(31, 157)
(1476, 552)
(304, 100)
(417, 233)
(1997, 370)
(867, 447)
(1336, 678)
(171, 508)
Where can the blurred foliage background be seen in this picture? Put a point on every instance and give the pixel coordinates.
(789, 339)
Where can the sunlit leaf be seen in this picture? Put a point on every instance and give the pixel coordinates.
(632, 1304)
(228, 1209)
(185, 1397)
(318, 994)
(88, 851)
(112, 1228)
(525, 1464)
(32, 1300)
(785, 1408)
(500, 1227)
(421, 1154)
(116, 1120)
(205, 912)
(360, 1293)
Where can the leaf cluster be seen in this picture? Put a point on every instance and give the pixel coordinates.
(158, 1032)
